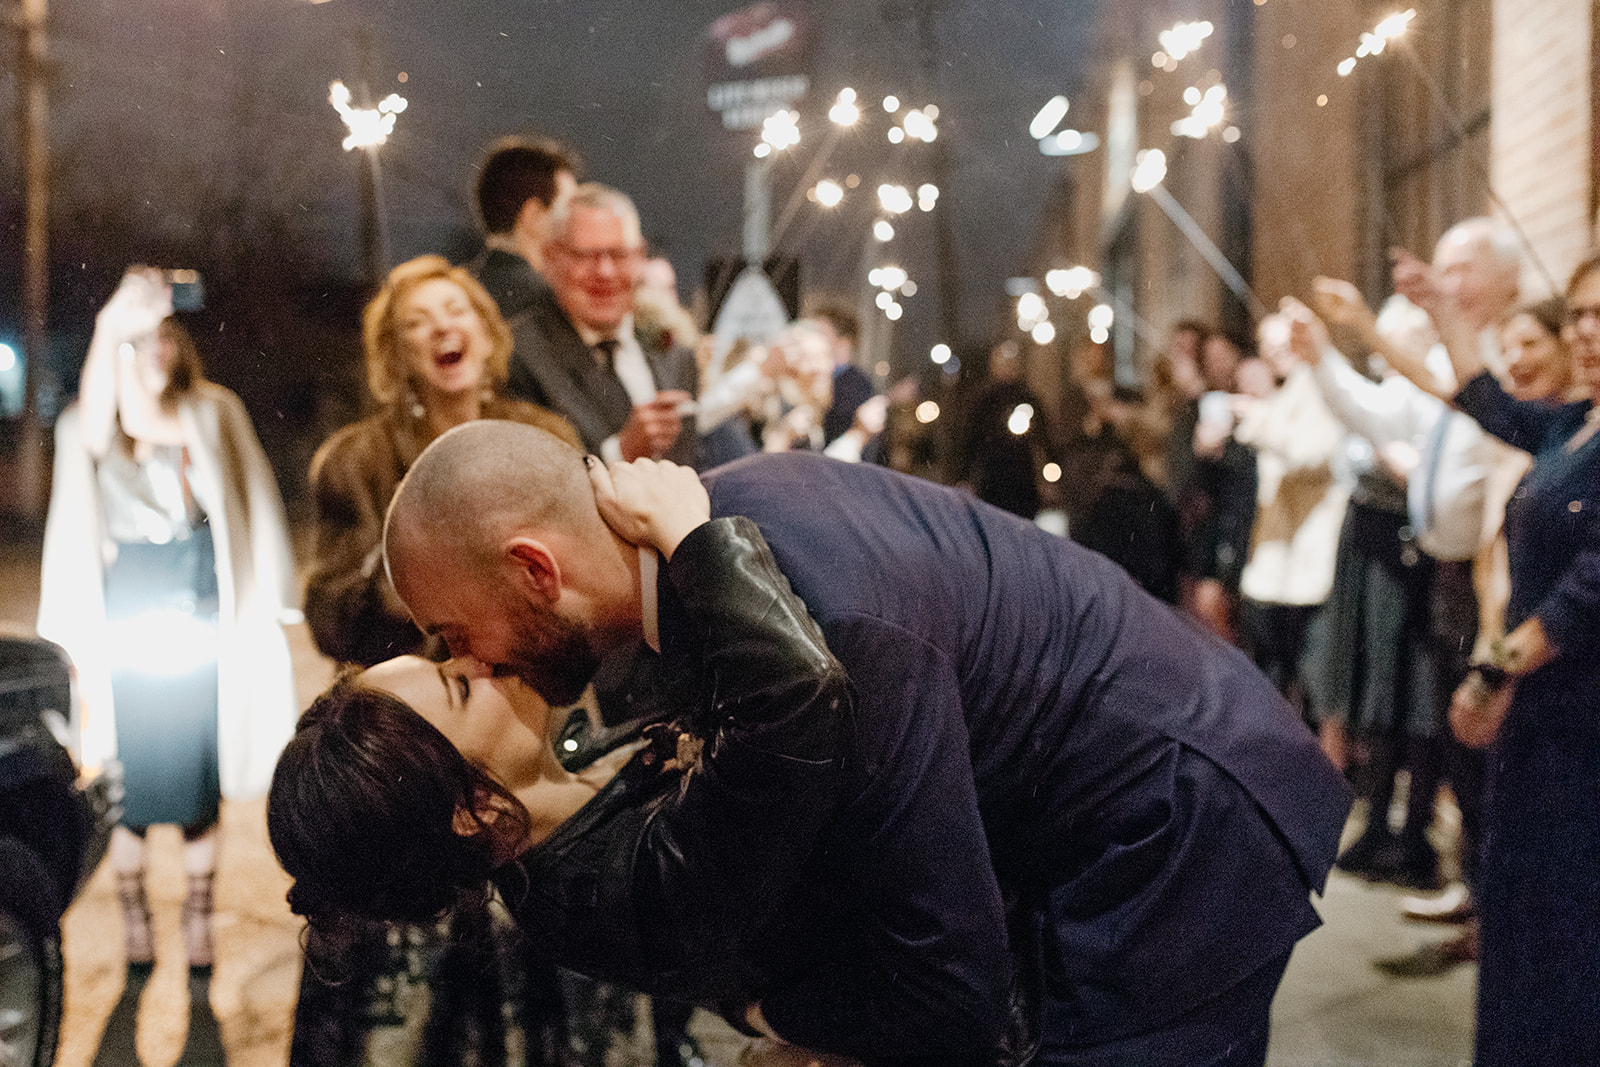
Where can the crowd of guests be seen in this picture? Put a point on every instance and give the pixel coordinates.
(1389, 513)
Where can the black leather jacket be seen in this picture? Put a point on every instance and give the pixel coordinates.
(673, 879)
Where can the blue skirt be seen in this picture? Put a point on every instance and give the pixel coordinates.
(161, 610)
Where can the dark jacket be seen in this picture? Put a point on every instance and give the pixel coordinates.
(510, 279)
(1148, 801)
(725, 885)
(354, 614)
(551, 365)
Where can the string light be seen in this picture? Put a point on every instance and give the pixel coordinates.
(883, 230)
(940, 354)
(828, 193)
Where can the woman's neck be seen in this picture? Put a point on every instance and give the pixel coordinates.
(445, 412)
(558, 794)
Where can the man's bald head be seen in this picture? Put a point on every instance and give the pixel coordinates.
(478, 483)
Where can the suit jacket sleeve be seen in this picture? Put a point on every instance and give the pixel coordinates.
(927, 972)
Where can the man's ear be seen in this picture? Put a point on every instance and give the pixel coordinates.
(533, 562)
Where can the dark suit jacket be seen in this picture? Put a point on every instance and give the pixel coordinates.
(1154, 811)
(510, 279)
(551, 366)
(851, 389)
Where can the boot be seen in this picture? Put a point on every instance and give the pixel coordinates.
(138, 936)
(197, 922)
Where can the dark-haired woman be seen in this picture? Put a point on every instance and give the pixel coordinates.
(1535, 698)
(436, 350)
(166, 576)
(691, 864)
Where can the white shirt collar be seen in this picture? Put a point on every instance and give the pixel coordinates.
(592, 337)
(502, 242)
(649, 566)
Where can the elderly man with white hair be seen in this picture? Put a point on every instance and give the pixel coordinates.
(576, 350)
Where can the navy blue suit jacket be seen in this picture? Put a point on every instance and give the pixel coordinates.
(1145, 802)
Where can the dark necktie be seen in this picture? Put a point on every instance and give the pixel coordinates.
(605, 353)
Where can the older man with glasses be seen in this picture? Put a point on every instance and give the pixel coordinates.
(576, 350)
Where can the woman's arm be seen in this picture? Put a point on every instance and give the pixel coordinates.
(133, 313)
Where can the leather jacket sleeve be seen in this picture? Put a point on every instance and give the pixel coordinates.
(772, 712)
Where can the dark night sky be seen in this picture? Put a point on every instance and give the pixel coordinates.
(167, 108)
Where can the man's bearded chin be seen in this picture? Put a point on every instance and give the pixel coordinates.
(556, 660)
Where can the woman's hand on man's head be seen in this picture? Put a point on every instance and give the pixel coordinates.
(648, 502)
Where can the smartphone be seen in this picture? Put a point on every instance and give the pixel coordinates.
(188, 290)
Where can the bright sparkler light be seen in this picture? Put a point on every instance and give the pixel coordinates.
(829, 193)
(1183, 40)
(781, 130)
(883, 230)
(896, 199)
(1209, 110)
(940, 353)
(1150, 168)
(896, 135)
(1021, 418)
(919, 125)
(1101, 316)
(893, 312)
(1048, 118)
(1070, 282)
(1031, 311)
(927, 411)
(927, 196)
(369, 127)
(1372, 44)
(844, 111)
(890, 278)
(1043, 333)
(891, 104)
(1051, 472)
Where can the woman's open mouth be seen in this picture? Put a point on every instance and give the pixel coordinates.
(448, 359)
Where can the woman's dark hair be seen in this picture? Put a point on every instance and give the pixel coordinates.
(1550, 313)
(363, 808)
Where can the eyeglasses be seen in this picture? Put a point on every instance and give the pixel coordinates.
(1576, 314)
(591, 258)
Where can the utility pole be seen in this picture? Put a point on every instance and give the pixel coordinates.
(33, 128)
(944, 239)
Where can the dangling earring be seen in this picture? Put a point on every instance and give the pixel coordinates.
(417, 410)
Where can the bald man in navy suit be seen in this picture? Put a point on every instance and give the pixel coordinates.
(1149, 817)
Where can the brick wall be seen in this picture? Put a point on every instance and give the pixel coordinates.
(1541, 130)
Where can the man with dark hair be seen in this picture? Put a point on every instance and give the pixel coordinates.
(518, 182)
